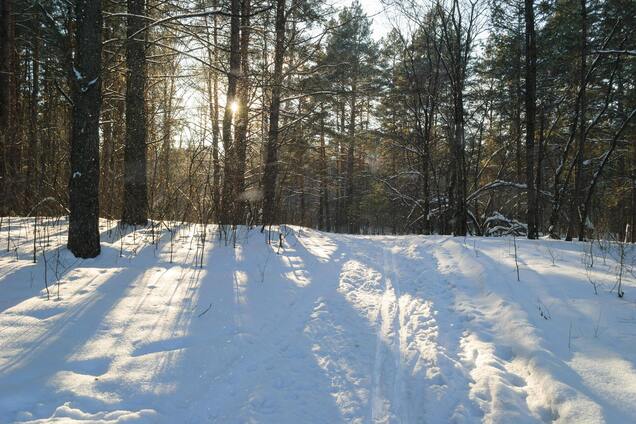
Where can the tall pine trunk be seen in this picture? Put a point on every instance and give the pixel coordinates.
(270, 175)
(323, 209)
(240, 136)
(135, 185)
(227, 195)
(576, 205)
(7, 95)
(349, 187)
(458, 168)
(213, 85)
(531, 94)
(86, 86)
(32, 180)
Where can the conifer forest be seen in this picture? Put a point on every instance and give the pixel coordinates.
(303, 211)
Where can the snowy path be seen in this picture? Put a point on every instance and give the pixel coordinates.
(333, 328)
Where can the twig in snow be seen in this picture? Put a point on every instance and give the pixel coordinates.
(204, 312)
(514, 239)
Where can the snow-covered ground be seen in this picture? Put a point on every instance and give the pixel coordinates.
(327, 329)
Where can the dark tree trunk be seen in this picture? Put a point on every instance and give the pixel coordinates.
(633, 170)
(7, 99)
(539, 174)
(323, 209)
(574, 223)
(240, 136)
(32, 164)
(518, 100)
(214, 116)
(166, 148)
(108, 149)
(531, 94)
(458, 169)
(86, 86)
(227, 197)
(349, 191)
(270, 175)
(576, 204)
(135, 185)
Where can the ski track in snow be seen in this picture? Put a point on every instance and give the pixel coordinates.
(329, 328)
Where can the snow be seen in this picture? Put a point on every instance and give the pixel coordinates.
(78, 74)
(329, 328)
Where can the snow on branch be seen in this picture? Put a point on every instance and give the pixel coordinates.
(502, 184)
(494, 185)
(616, 51)
(500, 225)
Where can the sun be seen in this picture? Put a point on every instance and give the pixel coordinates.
(234, 107)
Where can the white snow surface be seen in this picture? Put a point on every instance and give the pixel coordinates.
(326, 329)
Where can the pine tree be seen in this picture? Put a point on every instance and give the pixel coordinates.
(86, 86)
(135, 202)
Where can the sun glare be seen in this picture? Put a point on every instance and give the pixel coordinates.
(234, 106)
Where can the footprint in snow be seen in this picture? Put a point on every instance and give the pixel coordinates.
(94, 367)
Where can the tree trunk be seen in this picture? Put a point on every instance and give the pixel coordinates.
(576, 202)
(270, 174)
(538, 184)
(518, 96)
(458, 168)
(107, 173)
(227, 198)
(531, 89)
(323, 209)
(32, 164)
(633, 170)
(214, 110)
(166, 148)
(86, 86)
(349, 192)
(7, 96)
(240, 136)
(135, 151)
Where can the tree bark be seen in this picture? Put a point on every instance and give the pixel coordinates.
(518, 99)
(227, 198)
(270, 175)
(576, 203)
(349, 187)
(531, 94)
(7, 110)
(323, 208)
(458, 167)
(135, 151)
(538, 184)
(240, 136)
(86, 87)
(214, 116)
(32, 164)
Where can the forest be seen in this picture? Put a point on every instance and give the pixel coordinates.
(310, 212)
(464, 117)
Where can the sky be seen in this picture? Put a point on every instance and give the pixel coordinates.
(192, 98)
(375, 10)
